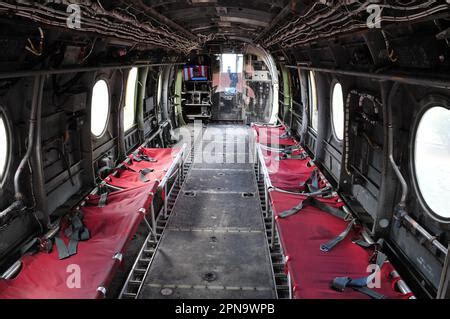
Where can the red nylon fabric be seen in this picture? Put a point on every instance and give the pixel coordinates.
(164, 158)
(311, 269)
(287, 174)
(44, 276)
(271, 136)
(276, 154)
(128, 179)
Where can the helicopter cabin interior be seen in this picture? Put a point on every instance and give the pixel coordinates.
(195, 149)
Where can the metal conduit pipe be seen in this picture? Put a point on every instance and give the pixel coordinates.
(406, 79)
(430, 238)
(37, 160)
(401, 285)
(21, 74)
(142, 83)
(36, 103)
(13, 207)
(404, 184)
(155, 134)
(390, 131)
(400, 207)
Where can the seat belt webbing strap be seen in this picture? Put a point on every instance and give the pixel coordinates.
(63, 252)
(322, 192)
(105, 169)
(360, 284)
(339, 213)
(76, 232)
(332, 243)
(141, 157)
(285, 135)
(312, 183)
(72, 247)
(103, 200)
(143, 173)
(296, 209)
(369, 292)
(285, 156)
(311, 201)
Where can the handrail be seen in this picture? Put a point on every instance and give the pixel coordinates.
(179, 158)
(263, 167)
(12, 271)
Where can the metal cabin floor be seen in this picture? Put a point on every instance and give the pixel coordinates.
(215, 245)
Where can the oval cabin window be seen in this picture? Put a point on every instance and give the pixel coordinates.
(432, 158)
(129, 112)
(4, 146)
(337, 111)
(99, 108)
(314, 110)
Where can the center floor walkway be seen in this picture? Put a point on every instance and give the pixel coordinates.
(215, 244)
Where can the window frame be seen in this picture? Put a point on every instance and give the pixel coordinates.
(134, 101)
(4, 116)
(312, 106)
(105, 128)
(333, 86)
(426, 105)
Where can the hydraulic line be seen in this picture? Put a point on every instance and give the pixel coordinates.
(327, 21)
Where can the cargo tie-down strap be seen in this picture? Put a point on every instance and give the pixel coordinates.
(360, 284)
(311, 201)
(76, 231)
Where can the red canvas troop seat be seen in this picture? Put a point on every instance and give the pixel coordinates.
(44, 276)
(311, 269)
(289, 174)
(163, 159)
(111, 227)
(268, 135)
